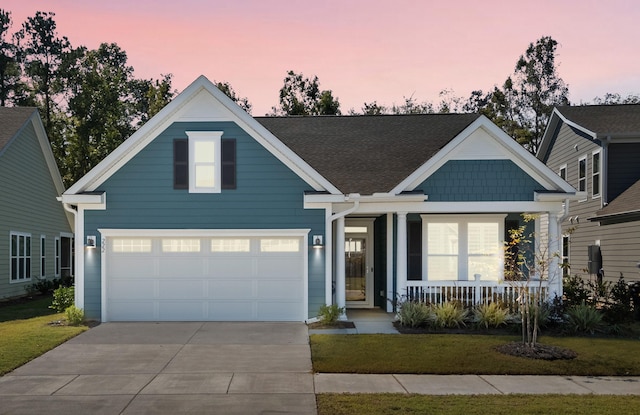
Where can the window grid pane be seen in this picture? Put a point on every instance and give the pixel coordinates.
(230, 245)
(181, 245)
(279, 245)
(131, 245)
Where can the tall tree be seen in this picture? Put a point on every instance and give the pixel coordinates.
(10, 89)
(615, 98)
(302, 96)
(537, 89)
(372, 108)
(228, 90)
(150, 96)
(412, 106)
(44, 52)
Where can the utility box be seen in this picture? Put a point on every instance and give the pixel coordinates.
(595, 259)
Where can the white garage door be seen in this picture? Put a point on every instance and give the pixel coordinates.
(184, 277)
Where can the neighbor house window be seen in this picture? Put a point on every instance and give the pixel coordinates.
(566, 269)
(563, 172)
(459, 248)
(595, 176)
(43, 256)
(57, 256)
(20, 256)
(582, 174)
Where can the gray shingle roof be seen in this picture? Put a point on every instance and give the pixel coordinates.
(11, 120)
(367, 154)
(605, 119)
(627, 202)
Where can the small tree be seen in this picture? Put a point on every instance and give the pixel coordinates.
(526, 267)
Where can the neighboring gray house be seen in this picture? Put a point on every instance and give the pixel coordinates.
(35, 231)
(597, 149)
(206, 213)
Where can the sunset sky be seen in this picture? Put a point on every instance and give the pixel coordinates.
(363, 50)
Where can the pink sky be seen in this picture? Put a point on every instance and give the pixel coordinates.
(363, 50)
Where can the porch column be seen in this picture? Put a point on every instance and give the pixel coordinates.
(401, 255)
(390, 290)
(554, 272)
(340, 265)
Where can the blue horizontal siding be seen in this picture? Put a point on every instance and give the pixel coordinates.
(268, 196)
(479, 180)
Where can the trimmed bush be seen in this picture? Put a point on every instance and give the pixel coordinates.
(63, 298)
(329, 314)
(75, 315)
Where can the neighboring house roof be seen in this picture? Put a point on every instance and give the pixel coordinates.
(367, 154)
(12, 119)
(627, 204)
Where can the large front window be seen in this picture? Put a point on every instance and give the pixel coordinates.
(461, 248)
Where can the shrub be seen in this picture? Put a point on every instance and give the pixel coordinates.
(63, 298)
(449, 315)
(42, 285)
(575, 290)
(329, 314)
(618, 302)
(490, 315)
(584, 318)
(414, 314)
(75, 315)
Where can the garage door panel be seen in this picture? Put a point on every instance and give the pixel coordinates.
(231, 290)
(181, 288)
(221, 282)
(134, 266)
(176, 310)
(279, 267)
(132, 289)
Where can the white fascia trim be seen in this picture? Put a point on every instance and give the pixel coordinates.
(570, 123)
(458, 207)
(93, 201)
(375, 198)
(558, 197)
(168, 115)
(525, 160)
(155, 233)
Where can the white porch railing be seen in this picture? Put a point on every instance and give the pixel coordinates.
(471, 293)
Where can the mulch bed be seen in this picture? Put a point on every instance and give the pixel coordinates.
(337, 325)
(539, 351)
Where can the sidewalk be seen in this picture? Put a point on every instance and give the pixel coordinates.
(475, 384)
(373, 321)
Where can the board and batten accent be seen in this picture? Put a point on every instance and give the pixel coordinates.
(204, 275)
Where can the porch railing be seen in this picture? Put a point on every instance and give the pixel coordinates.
(471, 293)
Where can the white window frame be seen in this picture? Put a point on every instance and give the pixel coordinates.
(205, 136)
(56, 252)
(463, 242)
(563, 168)
(43, 256)
(26, 270)
(586, 169)
(597, 174)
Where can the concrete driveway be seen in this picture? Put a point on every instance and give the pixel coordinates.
(169, 368)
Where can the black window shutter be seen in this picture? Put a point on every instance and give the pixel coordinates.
(414, 250)
(229, 163)
(180, 163)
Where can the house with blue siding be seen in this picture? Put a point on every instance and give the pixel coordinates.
(36, 236)
(207, 213)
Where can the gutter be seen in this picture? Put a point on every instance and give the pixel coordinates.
(356, 205)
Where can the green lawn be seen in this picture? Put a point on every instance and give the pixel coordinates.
(25, 333)
(467, 354)
(374, 404)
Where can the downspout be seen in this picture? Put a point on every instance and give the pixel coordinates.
(604, 173)
(356, 205)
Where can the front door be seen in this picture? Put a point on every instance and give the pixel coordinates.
(359, 263)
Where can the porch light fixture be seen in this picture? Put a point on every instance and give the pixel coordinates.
(317, 241)
(91, 241)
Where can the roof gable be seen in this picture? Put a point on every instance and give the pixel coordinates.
(367, 154)
(200, 101)
(483, 140)
(12, 120)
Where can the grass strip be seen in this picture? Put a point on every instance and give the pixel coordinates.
(467, 354)
(374, 404)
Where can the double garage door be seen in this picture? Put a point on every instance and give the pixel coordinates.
(205, 277)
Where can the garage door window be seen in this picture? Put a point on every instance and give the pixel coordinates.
(181, 245)
(230, 245)
(280, 245)
(131, 245)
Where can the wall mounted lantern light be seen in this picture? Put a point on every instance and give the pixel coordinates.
(91, 241)
(317, 241)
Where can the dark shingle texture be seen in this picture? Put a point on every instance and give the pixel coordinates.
(628, 201)
(367, 154)
(11, 120)
(605, 119)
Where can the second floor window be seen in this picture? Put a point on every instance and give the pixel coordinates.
(595, 178)
(582, 174)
